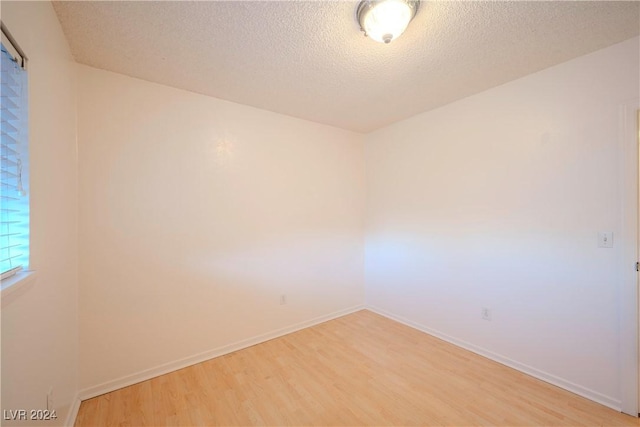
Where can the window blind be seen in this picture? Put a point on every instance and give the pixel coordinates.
(14, 208)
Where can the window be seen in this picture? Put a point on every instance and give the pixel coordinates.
(14, 183)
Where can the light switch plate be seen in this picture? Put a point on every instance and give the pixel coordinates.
(605, 239)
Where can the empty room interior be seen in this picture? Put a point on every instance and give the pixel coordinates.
(328, 213)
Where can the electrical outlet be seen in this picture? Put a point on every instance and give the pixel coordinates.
(283, 299)
(50, 399)
(486, 314)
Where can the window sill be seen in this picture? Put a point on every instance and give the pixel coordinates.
(11, 285)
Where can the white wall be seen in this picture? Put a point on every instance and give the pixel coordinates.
(40, 321)
(495, 201)
(196, 214)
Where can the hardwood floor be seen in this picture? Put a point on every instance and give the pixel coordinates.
(361, 369)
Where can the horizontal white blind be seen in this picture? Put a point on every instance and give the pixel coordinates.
(14, 207)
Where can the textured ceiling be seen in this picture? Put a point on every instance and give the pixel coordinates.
(309, 60)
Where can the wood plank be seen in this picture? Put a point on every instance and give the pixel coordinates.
(360, 369)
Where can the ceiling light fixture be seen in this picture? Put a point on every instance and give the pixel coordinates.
(385, 20)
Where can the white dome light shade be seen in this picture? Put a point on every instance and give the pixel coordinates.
(385, 20)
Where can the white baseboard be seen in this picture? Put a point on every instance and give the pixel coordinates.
(541, 375)
(73, 412)
(165, 368)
